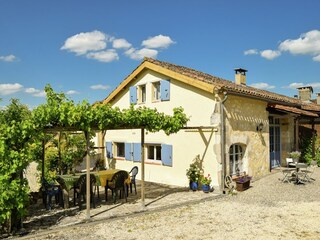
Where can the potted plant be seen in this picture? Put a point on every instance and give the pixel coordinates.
(205, 181)
(295, 155)
(243, 183)
(193, 174)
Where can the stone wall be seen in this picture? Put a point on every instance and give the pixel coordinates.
(243, 115)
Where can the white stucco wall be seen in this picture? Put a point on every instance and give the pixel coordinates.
(186, 144)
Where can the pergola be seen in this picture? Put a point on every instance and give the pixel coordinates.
(56, 129)
(60, 114)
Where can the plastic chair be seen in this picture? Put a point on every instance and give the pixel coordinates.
(80, 189)
(133, 172)
(290, 163)
(116, 184)
(50, 190)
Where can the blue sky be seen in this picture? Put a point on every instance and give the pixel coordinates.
(86, 48)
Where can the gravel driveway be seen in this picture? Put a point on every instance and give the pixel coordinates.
(270, 209)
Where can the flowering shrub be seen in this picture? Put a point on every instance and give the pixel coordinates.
(193, 172)
(295, 154)
(206, 180)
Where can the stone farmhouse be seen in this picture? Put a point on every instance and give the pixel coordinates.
(233, 127)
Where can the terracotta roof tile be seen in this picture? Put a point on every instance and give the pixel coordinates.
(232, 87)
(293, 110)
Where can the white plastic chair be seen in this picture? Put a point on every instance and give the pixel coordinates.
(290, 162)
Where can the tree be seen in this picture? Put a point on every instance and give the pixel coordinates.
(16, 133)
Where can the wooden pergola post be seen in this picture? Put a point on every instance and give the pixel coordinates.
(88, 175)
(142, 170)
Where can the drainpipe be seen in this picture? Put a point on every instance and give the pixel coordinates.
(223, 142)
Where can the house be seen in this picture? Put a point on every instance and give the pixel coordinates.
(232, 128)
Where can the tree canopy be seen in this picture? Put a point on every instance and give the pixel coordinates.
(60, 112)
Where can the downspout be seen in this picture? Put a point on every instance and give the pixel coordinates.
(223, 142)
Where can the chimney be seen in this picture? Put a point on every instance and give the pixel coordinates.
(305, 93)
(240, 77)
(318, 98)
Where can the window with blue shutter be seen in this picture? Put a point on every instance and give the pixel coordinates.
(165, 90)
(166, 154)
(133, 95)
(137, 152)
(109, 149)
(128, 151)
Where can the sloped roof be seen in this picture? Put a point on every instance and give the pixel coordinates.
(292, 110)
(208, 82)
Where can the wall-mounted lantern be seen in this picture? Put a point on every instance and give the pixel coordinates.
(260, 127)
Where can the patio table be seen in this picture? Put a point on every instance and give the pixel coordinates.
(101, 180)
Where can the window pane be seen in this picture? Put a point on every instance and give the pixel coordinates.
(156, 91)
(235, 158)
(143, 93)
(120, 149)
(158, 152)
(150, 152)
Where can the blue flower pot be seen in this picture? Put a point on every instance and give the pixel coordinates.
(193, 186)
(206, 188)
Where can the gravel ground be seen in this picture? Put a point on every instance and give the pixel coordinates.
(270, 209)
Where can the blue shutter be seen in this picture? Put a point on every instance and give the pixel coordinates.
(109, 149)
(166, 154)
(137, 152)
(133, 95)
(128, 151)
(165, 90)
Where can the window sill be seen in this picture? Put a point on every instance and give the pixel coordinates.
(152, 162)
(120, 158)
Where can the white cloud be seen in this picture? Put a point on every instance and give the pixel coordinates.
(31, 90)
(84, 42)
(35, 92)
(100, 87)
(316, 58)
(270, 54)
(121, 43)
(8, 88)
(307, 44)
(104, 56)
(140, 54)
(250, 52)
(94, 46)
(71, 92)
(295, 85)
(159, 41)
(315, 85)
(262, 85)
(8, 58)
